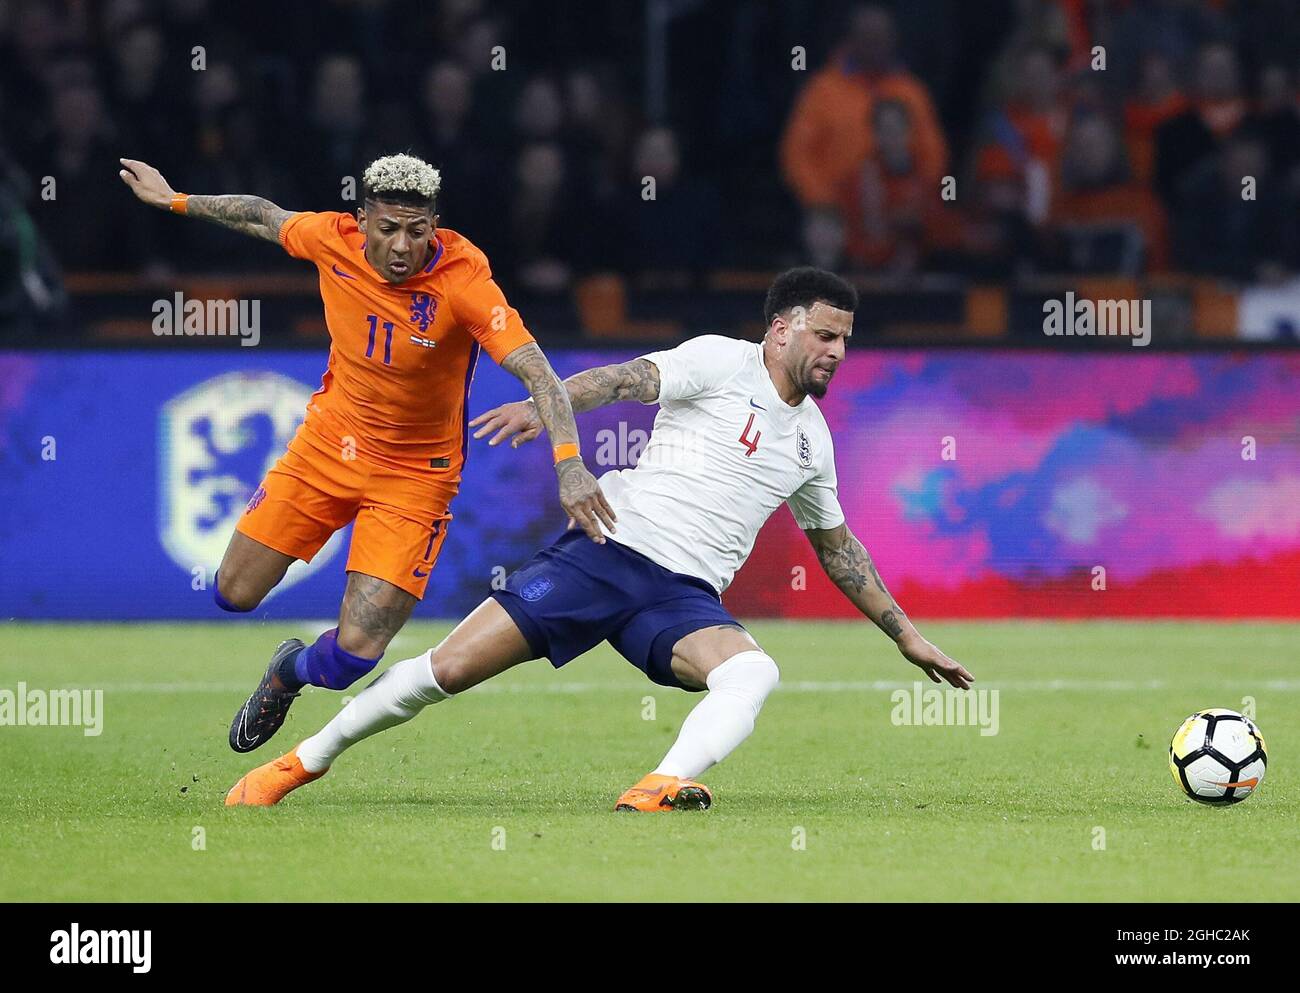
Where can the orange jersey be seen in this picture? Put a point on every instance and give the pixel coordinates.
(401, 357)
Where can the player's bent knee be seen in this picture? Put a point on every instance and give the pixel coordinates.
(233, 596)
(354, 640)
(452, 671)
(750, 676)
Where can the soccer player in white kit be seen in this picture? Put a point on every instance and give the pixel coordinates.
(737, 434)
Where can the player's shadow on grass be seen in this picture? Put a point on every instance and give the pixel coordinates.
(767, 803)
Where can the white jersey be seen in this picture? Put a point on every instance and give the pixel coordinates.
(725, 452)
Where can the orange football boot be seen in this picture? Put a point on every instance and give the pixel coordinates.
(656, 792)
(269, 784)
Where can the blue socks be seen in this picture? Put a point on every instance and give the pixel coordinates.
(324, 663)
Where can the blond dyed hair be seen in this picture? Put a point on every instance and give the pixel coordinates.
(403, 175)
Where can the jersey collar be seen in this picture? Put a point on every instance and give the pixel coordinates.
(437, 254)
(770, 387)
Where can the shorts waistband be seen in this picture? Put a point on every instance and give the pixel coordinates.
(575, 534)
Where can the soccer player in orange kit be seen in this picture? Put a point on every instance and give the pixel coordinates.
(408, 306)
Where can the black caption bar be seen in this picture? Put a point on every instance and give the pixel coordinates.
(143, 942)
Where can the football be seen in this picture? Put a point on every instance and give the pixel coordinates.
(1218, 757)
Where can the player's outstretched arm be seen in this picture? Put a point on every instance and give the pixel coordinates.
(849, 566)
(580, 494)
(247, 214)
(518, 422)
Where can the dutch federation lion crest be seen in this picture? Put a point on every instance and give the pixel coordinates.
(424, 308)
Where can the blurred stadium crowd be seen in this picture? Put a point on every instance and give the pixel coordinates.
(763, 153)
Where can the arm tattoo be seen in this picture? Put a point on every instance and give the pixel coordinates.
(849, 566)
(247, 214)
(890, 624)
(529, 365)
(635, 380)
(573, 480)
(845, 560)
(875, 575)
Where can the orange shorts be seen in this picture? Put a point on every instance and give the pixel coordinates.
(400, 515)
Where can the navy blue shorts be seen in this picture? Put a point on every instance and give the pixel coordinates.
(574, 594)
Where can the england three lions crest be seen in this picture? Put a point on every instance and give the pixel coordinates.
(804, 448)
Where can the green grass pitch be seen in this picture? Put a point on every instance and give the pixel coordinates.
(506, 792)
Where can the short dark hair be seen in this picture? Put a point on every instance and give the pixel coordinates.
(805, 286)
(401, 198)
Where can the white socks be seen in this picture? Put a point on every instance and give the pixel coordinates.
(719, 722)
(725, 717)
(394, 698)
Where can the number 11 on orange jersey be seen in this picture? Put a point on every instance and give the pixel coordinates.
(388, 339)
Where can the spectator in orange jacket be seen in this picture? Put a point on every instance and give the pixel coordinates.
(1027, 128)
(892, 203)
(1101, 219)
(829, 134)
